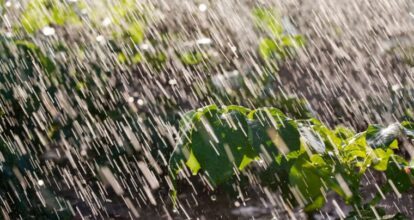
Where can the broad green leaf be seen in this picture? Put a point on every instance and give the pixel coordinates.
(299, 40)
(303, 177)
(201, 111)
(137, 58)
(337, 176)
(271, 134)
(219, 142)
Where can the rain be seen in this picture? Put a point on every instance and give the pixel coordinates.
(202, 109)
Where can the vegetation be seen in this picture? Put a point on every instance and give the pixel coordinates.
(307, 158)
(89, 88)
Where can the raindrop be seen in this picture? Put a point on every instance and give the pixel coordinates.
(106, 22)
(202, 7)
(204, 41)
(9, 34)
(100, 38)
(172, 82)
(40, 182)
(213, 197)
(145, 46)
(130, 99)
(140, 102)
(17, 5)
(48, 31)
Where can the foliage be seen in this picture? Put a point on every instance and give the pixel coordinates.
(311, 158)
(278, 43)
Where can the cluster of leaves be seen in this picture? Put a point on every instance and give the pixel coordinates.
(278, 43)
(309, 158)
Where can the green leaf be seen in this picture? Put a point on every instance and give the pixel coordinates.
(378, 136)
(180, 156)
(190, 58)
(240, 109)
(193, 164)
(136, 32)
(271, 133)
(303, 177)
(299, 40)
(186, 121)
(397, 174)
(219, 142)
(245, 161)
(381, 158)
(260, 113)
(337, 175)
(40, 13)
(343, 133)
(268, 48)
(294, 42)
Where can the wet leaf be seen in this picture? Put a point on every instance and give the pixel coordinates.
(303, 176)
(219, 143)
(378, 136)
(396, 173)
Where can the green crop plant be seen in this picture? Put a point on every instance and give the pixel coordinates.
(278, 43)
(311, 158)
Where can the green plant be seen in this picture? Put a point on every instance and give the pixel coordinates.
(277, 43)
(306, 154)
